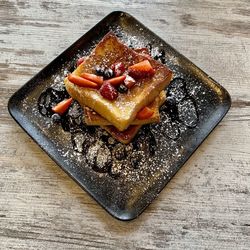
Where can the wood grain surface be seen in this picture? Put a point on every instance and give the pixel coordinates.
(205, 206)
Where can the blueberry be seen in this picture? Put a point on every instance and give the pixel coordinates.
(56, 118)
(108, 73)
(122, 89)
(99, 70)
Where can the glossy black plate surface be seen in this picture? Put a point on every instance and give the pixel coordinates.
(123, 179)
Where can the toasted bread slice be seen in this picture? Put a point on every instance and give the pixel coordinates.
(123, 110)
(93, 119)
(127, 135)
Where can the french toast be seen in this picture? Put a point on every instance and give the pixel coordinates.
(121, 111)
(127, 135)
(94, 119)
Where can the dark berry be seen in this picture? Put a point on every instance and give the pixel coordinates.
(108, 73)
(122, 88)
(56, 118)
(99, 70)
(108, 91)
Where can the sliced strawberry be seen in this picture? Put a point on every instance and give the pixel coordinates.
(80, 61)
(82, 82)
(141, 69)
(116, 80)
(62, 106)
(93, 78)
(129, 81)
(108, 91)
(144, 113)
(118, 68)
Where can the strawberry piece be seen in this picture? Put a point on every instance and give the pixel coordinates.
(129, 82)
(116, 80)
(144, 113)
(62, 106)
(93, 78)
(82, 82)
(141, 69)
(80, 61)
(108, 91)
(118, 68)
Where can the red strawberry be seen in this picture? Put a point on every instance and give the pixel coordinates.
(118, 68)
(129, 81)
(108, 91)
(141, 69)
(93, 78)
(62, 106)
(82, 82)
(116, 80)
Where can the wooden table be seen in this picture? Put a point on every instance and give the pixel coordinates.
(205, 206)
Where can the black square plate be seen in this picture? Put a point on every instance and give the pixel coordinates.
(123, 179)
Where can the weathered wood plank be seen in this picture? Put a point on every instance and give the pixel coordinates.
(205, 206)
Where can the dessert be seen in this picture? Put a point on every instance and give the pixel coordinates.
(119, 88)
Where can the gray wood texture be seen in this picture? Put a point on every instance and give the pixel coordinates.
(205, 206)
